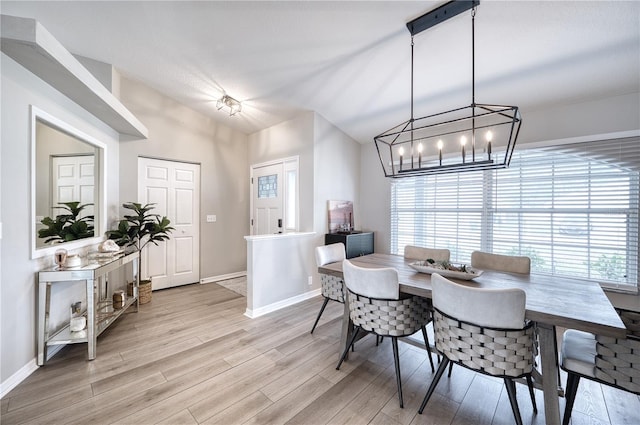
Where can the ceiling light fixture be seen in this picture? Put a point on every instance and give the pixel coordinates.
(452, 141)
(234, 106)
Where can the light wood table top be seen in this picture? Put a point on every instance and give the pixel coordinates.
(569, 303)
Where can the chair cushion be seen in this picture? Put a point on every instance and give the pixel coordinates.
(579, 352)
(418, 253)
(379, 283)
(504, 263)
(332, 253)
(496, 308)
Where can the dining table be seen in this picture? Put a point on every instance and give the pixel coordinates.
(551, 301)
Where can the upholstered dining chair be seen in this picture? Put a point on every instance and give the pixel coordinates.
(504, 263)
(483, 330)
(330, 286)
(609, 361)
(509, 264)
(377, 306)
(419, 253)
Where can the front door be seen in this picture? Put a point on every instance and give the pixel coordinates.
(267, 197)
(175, 189)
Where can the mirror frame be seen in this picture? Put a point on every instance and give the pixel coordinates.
(100, 225)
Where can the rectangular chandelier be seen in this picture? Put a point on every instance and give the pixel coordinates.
(470, 138)
(463, 139)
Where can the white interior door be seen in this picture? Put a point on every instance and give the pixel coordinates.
(267, 199)
(72, 180)
(175, 189)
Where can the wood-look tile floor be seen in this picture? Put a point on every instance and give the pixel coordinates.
(192, 357)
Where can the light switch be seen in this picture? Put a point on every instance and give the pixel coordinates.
(211, 218)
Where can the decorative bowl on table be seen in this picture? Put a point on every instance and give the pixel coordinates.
(446, 269)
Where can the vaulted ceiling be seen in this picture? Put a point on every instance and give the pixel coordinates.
(350, 61)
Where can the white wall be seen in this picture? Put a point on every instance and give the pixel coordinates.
(329, 169)
(336, 164)
(287, 139)
(178, 133)
(18, 290)
(603, 116)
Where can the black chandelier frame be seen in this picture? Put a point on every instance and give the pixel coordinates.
(465, 120)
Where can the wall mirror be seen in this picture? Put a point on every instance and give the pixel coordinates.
(67, 167)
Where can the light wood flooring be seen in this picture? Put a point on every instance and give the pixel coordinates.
(192, 357)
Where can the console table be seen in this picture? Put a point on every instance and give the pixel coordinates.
(355, 243)
(100, 312)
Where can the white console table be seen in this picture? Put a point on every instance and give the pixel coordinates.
(100, 312)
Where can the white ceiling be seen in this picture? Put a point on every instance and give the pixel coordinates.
(350, 60)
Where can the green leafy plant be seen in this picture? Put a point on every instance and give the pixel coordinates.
(69, 226)
(611, 268)
(141, 228)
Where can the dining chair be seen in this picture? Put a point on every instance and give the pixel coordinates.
(504, 263)
(377, 306)
(509, 264)
(330, 286)
(483, 330)
(412, 252)
(610, 361)
(419, 253)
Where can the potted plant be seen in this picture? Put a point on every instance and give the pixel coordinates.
(68, 226)
(137, 230)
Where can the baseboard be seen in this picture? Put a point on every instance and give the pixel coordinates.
(223, 277)
(252, 314)
(15, 379)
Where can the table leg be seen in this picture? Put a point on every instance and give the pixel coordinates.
(44, 297)
(550, 382)
(92, 290)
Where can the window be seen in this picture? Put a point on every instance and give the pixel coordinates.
(573, 209)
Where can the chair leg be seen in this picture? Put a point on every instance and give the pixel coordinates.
(324, 304)
(531, 393)
(346, 349)
(511, 391)
(572, 388)
(450, 369)
(396, 361)
(426, 343)
(441, 368)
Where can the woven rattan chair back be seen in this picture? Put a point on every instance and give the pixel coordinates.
(491, 351)
(331, 287)
(503, 263)
(402, 317)
(616, 361)
(419, 253)
(376, 306)
(483, 330)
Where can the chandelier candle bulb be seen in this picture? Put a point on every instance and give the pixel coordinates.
(420, 155)
(440, 151)
(463, 142)
(489, 138)
(401, 153)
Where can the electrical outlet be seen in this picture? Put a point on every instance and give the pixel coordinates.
(310, 280)
(211, 218)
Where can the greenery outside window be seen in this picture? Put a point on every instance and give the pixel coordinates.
(572, 208)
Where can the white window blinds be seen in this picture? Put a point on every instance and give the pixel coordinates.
(572, 208)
